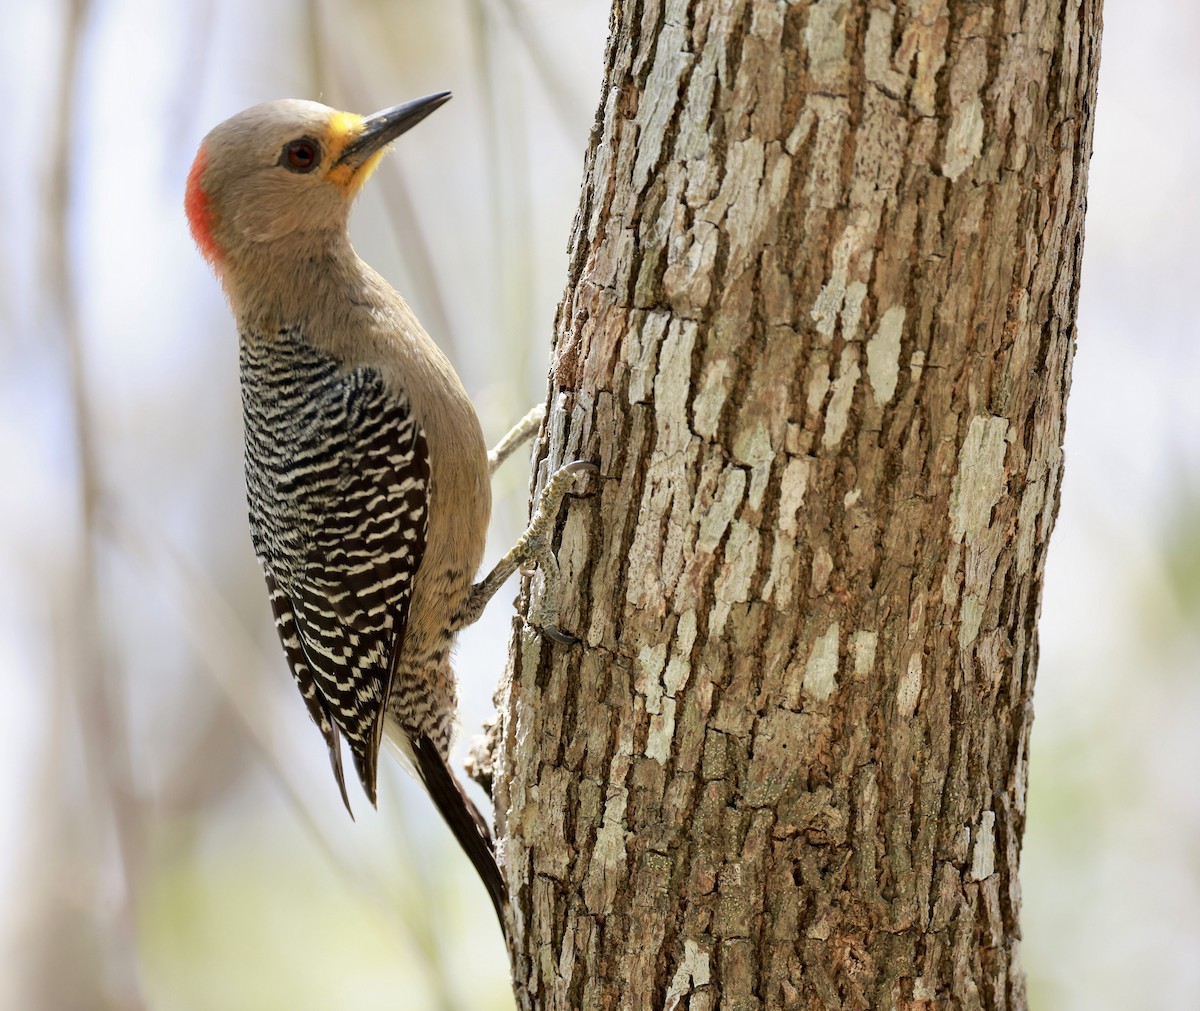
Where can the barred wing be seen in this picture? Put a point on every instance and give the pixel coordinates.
(337, 480)
(352, 600)
(318, 709)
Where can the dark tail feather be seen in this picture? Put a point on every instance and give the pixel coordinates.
(464, 819)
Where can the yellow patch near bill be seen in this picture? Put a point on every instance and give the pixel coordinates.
(367, 167)
(343, 128)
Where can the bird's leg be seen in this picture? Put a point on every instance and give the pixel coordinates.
(533, 545)
(521, 433)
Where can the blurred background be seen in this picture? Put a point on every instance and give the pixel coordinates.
(172, 837)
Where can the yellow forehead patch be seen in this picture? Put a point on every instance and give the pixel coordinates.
(343, 128)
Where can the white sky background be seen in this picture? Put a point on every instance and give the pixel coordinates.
(1112, 870)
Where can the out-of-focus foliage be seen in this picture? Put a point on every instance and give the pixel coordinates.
(174, 839)
(1111, 866)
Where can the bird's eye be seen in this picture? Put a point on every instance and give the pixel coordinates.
(301, 155)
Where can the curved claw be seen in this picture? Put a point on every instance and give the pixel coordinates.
(584, 467)
(579, 467)
(559, 636)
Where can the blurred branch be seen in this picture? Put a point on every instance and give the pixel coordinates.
(557, 86)
(193, 69)
(511, 203)
(398, 205)
(477, 17)
(317, 43)
(91, 681)
(424, 929)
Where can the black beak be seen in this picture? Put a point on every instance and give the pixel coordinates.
(384, 127)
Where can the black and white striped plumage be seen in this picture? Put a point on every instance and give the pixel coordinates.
(338, 481)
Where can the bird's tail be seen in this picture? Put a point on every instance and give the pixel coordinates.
(463, 817)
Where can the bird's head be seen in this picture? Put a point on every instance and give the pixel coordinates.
(284, 169)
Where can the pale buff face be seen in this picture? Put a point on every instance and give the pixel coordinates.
(273, 172)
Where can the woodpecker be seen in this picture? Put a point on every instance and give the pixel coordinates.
(367, 476)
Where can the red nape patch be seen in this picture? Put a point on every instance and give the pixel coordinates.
(199, 214)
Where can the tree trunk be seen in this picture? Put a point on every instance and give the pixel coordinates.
(817, 334)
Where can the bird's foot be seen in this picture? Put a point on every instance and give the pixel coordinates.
(545, 612)
(533, 548)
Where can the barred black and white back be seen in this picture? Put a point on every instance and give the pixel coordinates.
(338, 482)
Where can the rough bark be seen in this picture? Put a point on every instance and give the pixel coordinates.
(817, 333)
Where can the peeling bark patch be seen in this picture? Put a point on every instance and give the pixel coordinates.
(711, 398)
(1031, 508)
(964, 139)
(856, 292)
(910, 687)
(883, 355)
(662, 95)
(877, 55)
(820, 673)
(639, 351)
(609, 855)
(840, 297)
(670, 399)
(979, 482)
(837, 414)
(737, 574)
(825, 39)
(661, 699)
(781, 579)
(693, 972)
(651, 660)
(983, 856)
(791, 493)
(862, 648)
(916, 365)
